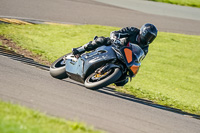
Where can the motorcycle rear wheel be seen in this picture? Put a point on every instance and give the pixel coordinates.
(57, 68)
(96, 81)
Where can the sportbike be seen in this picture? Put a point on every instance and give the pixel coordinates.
(101, 67)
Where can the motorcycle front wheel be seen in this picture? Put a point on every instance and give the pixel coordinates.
(57, 68)
(96, 81)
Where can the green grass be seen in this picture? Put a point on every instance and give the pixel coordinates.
(192, 3)
(18, 119)
(52, 41)
(169, 75)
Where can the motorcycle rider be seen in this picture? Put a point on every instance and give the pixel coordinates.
(142, 37)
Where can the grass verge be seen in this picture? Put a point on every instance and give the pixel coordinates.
(169, 75)
(18, 119)
(192, 3)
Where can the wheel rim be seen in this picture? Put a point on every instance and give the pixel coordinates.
(61, 63)
(97, 77)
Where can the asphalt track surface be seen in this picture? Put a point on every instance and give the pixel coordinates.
(92, 12)
(158, 8)
(105, 109)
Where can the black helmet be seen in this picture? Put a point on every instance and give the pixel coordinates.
(148, 33)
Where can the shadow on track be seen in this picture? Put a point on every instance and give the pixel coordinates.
(104, 90)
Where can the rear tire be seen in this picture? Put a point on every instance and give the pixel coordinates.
(111, 77)
(57, 68)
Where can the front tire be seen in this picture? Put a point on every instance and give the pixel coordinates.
(92, 81)
(57, 68)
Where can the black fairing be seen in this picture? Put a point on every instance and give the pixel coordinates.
(89, 62)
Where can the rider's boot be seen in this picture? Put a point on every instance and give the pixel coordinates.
(97, 42)
(78, 50)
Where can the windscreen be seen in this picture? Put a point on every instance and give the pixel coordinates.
(138, 52)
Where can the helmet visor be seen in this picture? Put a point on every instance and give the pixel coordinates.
(148, 37)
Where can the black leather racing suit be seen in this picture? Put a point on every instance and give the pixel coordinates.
(129, 34)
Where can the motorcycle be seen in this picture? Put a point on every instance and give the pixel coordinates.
(101, 67)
